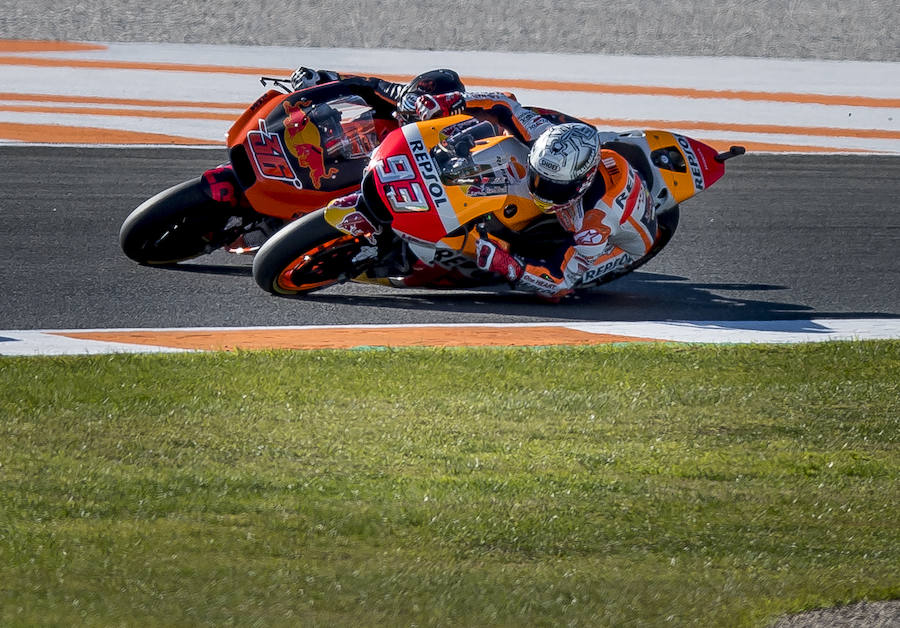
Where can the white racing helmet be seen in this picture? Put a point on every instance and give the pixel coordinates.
(562, 164)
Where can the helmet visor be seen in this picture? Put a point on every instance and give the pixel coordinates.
(406, 107)
(550, 192)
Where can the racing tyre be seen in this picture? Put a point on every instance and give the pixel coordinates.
(308, 254)
(176, 224)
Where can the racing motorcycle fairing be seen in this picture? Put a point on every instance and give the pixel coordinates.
(293, 153)
(435, 179)
(290, 153)
(221, 185)
(432, 188)
(674, 167)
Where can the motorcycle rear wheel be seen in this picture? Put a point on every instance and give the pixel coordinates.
(177, 224)
(306, 255)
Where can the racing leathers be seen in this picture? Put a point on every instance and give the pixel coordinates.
(612, 224)
(500, 108)
(378, 93)
(386, 97)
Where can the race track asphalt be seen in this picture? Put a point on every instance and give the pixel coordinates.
(780, 237)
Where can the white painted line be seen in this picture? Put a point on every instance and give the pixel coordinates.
(767, 332)
(227, 75)
(35, 343)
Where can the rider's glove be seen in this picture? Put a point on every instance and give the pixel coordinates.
(430, 106)
(304, 77)
(307, 77)
(489, 256)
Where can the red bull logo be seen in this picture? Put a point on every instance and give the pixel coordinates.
(356, 224)
(304, 142)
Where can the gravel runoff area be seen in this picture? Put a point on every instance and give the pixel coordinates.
(861, 615)
(865, 30)
(862, 30)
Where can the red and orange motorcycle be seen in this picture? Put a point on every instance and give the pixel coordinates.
(433, 188)
(290, 152)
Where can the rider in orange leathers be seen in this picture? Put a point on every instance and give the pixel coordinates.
(594, 192)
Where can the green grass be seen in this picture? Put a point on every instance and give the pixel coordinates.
(610, 486)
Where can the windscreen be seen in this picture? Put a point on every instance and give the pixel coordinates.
(350, 134)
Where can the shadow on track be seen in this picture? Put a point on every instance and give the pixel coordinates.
(641, 296)
(210, 269)
(638, 297)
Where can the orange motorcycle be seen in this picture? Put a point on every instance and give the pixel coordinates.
(432, 188)
(289, 153)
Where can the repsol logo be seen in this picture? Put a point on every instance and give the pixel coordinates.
(622, 198)
(429, 172)
(693, 165)
(451, 259)
(597, 272)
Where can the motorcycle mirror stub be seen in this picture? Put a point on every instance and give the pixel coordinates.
(734, 151)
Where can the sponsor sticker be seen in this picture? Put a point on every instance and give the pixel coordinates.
(549, 165)
(693, 164)
(305, 143)
(429, 172)
(534, 123)
(597, 272)
(541, 285)
(270, 156)
(592, 237)
(622, 198)
(356, 224)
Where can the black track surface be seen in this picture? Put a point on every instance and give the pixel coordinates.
(779, 237)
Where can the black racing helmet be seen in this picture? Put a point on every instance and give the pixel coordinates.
(442, 81)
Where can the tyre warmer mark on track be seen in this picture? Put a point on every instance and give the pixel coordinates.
(80, 342)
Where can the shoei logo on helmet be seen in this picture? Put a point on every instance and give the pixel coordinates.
(549, 165)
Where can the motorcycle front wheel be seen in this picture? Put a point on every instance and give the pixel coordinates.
(308, 254)
(177, 224)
